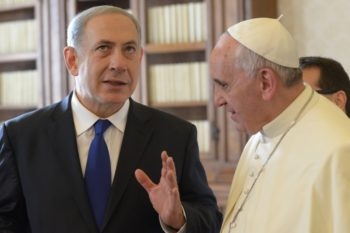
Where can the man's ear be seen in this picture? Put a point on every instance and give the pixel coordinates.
(71, 60)
(339, 98)
(141, 53)
(268, 82)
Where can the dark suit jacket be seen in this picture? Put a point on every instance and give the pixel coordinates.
(42, 187)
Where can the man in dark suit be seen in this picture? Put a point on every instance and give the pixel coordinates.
(44, 155)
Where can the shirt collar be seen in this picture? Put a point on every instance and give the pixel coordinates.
(84, 119)
(283, 121)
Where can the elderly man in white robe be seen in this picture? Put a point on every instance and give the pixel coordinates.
(294, 173)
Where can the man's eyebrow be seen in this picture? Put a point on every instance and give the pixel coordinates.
(131, 42)
(105, 42)
(219, 81)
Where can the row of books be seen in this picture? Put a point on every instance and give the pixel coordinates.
(18, 36)
(203, 135)
(178, 82)
(177, 23)
(19, 88)
(6, 3)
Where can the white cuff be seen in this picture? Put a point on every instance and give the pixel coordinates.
(168, 229)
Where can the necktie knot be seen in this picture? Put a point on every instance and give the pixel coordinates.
(101, 125)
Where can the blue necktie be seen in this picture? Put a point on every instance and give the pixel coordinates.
(98, 172)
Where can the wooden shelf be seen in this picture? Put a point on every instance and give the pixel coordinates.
(18, 57)
(188, 111)
(176, 57)
(179, 104)
(85, 4)
(17, 12)
(175, 48)
(151, 3)
(18, 61)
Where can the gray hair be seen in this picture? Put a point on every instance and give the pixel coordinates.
(77, 25)
(250, 62)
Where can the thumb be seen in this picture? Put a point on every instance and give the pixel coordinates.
(144, 180)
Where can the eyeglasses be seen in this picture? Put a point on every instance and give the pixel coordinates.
(326, 91)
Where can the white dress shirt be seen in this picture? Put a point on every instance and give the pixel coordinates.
(84, 121)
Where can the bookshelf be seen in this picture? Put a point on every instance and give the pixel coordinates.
(174, 69)
(19, 58)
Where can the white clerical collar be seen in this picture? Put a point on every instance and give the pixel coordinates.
(84, 119)
(285, 119)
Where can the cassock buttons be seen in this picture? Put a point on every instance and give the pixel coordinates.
(233, 225)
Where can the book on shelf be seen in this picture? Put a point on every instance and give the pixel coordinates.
(178, 82)
(19, 88)
(177, 23)
(18, 36)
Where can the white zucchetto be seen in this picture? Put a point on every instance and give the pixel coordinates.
(268, 38)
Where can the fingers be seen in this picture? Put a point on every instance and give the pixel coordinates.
(168, 170)
(168, 174)
(144, 180)
(164, 157)
(167, 162)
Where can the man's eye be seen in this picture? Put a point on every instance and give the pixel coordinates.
(222, 85)
(130, 49)
(102, 48)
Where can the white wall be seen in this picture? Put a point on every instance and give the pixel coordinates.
(320, 27)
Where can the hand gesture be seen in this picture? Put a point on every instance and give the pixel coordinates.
(164, 196)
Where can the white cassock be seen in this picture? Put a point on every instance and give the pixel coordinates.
(305, 185)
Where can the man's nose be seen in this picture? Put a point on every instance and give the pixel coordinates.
(219, 100)
(118, 61)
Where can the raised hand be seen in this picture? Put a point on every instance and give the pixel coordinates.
(164, 196)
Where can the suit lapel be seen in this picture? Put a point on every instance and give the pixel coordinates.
(137, 134)
(65, 149)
